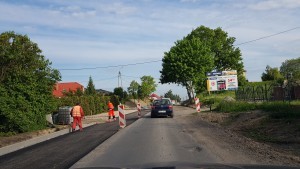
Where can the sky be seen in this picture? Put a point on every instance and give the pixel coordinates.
(112, 36)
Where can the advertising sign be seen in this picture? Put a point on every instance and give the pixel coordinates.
(227, 81)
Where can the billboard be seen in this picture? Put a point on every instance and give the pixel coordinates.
(227, 80)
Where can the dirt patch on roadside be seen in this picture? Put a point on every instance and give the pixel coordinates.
(263, 140)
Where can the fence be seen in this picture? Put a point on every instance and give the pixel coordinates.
(267, 92)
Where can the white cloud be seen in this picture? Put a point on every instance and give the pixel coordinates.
(99, 33)
(275, 4)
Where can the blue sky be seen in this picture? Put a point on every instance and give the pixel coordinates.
(101, 33)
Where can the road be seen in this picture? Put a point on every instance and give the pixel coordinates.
(181, 142)
(62, 151)
(149, 142)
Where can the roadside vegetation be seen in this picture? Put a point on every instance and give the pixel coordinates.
(269, 121)
(27, 80)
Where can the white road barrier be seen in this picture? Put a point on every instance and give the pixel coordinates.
(197, 103)
(122, 120)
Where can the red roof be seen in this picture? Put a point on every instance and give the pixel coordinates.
(59, 88)
(154, 96)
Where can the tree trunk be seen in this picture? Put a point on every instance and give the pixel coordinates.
(189, 94)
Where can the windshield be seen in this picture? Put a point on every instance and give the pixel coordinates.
(161, 102)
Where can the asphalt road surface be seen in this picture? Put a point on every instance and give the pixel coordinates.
(62, 151)
(168, 143)
(147, 143)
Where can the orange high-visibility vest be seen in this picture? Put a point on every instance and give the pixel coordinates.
(110, 106)
(76, 111)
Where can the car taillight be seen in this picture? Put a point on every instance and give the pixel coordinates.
(170, 107)
(152, 107)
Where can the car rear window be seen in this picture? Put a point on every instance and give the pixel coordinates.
(161, 102)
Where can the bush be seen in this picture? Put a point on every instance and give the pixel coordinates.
(91, 104)
(277, 110)
(235, 106)
(26, 84)
(280, 110)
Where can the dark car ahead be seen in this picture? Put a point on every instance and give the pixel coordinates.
(162, 107)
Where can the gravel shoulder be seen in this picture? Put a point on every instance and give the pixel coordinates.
(229, 145)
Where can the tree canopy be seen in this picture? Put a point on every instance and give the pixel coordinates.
(170, 95)
(290, 69)
(272, 74)
(201, 51)
(148, 85)
(26, 84)
(133, 89)
(122, 94)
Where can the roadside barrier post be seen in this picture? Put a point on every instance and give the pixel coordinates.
(139, 110)
(122, 120)
(197, 103)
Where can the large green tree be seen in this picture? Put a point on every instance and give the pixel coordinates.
(186, 63)
(90, 89)
(26, 84)
(290, 69)
(201, 51)
(148, 85)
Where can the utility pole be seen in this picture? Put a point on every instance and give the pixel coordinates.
(119, 79)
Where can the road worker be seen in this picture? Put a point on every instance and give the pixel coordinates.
(111, 113)
(77, 114)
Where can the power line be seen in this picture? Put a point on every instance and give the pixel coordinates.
(264, 37)
(104, 67)
(135, 77)
(97, 80)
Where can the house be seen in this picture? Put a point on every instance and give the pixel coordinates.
(154, 96)
(61, 88)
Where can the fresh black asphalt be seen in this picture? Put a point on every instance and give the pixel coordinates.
(65, 150)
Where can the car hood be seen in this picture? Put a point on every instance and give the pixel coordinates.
(180, 165)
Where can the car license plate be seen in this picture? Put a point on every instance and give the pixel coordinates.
(161, 111)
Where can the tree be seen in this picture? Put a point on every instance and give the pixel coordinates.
(148, 86)
(201, 51)
(118, 91)
(170, 95)
(186, 64)
(272, 74)
(26, 84)
(133, 88)
(90, 89)
(140, 92)
(290, 69)
(225, 55)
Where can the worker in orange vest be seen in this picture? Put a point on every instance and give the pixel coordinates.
(111, 111)
(77, 114)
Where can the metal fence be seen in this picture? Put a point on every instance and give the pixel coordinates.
(267, 92)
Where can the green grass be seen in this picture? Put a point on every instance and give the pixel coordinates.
(281, 110)
(236, 106)
(277, 110)
(214, 98)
